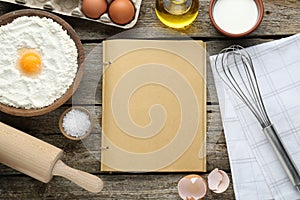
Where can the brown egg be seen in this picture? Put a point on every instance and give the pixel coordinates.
(121, 11)
(94, 8)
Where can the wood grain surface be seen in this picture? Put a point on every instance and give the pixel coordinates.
(281, 19)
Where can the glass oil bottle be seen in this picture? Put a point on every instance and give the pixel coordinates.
(177, 13)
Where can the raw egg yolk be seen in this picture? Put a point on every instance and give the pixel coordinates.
(31, 63)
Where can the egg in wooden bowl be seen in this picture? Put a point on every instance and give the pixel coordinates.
(41, 62)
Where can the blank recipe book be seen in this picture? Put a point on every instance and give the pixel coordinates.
(154, 106)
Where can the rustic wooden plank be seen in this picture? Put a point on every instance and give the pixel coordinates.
(90, 88)
(89, 91)
(7, 7)
(48, 124)
(129, 186)
(86, 155)
(281, 18)
(45, 127)
(77, 156)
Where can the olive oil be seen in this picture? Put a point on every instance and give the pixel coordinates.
(177, 13)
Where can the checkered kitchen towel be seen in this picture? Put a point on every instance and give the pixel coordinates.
(256, 171)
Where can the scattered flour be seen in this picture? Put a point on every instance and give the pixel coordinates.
(59, 62)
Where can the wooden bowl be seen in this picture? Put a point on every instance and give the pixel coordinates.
(8, 18)
(260, 8)
(61, 128)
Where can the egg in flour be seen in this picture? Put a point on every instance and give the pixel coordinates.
(30, 62)
(38, 62)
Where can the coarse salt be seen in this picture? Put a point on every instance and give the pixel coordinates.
(76, 123)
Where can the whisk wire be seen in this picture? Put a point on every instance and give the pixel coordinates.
(231, 83)
(245, 86)
(240, 77)
(256, 91)
(253, 87)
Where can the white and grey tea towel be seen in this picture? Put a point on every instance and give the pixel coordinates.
(256, 171)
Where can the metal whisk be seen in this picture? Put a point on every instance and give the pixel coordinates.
(234, 66)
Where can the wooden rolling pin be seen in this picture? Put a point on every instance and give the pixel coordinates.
(39, 159)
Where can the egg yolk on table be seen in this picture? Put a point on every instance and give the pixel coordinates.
(30, 63)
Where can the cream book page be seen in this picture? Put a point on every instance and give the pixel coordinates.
(154, 106)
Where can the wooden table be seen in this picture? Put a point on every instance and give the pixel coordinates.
(282, 18)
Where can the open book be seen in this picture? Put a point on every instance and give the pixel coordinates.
(154, 105)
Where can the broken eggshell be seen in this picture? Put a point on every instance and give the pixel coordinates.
(218, 181)
(192, 187)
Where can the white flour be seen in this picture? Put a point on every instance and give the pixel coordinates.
(235, 16)
(59, 62)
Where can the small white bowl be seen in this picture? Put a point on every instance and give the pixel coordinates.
(260, 9)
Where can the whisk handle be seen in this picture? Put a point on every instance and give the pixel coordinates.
(283, 156)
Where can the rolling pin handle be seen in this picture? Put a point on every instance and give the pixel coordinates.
(85, 180)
